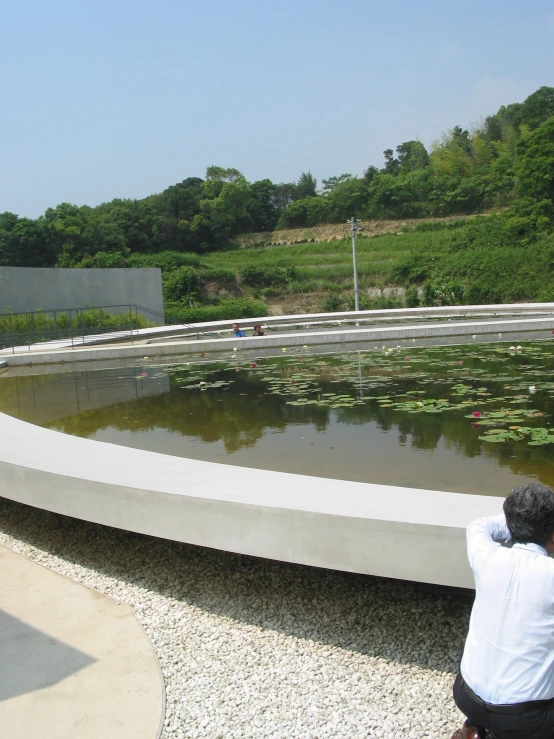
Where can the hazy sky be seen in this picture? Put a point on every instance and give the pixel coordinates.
(122, 99)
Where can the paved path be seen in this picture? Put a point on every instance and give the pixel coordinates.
(73, 662)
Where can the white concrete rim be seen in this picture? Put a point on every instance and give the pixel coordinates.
(359, 527)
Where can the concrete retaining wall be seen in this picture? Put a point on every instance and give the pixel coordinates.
(33, 288)
(373, 529)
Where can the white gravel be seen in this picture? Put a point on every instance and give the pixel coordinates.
(255, 648)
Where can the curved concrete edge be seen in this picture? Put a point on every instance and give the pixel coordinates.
(75, 662)
(371, 529)
(417, 332)
(298, 318)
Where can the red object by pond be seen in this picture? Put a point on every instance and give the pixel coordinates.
(476, 414)
(253, 365)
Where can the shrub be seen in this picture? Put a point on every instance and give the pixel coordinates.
(382, 302)
(218, 274)
(265, 276)
(226, 309)
(443, 291)
(165, 260)
(182, 282)
(22, 328)
(332, 304)
(104, 260)
(412, 297)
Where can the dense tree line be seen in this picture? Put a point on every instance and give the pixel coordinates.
(509, 159)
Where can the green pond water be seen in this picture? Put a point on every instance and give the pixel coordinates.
(473, 419)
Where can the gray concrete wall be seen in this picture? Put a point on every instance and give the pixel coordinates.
(34, 288)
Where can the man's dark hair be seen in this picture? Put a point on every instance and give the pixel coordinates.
(529, 512)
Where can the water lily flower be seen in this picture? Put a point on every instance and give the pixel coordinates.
(283, 349)
(532, 389)
(235, 349)
(474, 336)
(305, 346)
(143, 374)
(384, 347)
(202, 382)
(292, 382)
(519, 348)
(407, 359)
(147, 357)
(398, 346)
(460, 361)
(476, 414)
(253, 365)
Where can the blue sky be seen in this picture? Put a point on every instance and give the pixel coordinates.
(122, 99)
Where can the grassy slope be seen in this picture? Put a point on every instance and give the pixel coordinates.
(486, 271)
(333, 231)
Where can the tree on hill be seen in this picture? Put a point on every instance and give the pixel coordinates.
(306, 186)
(535, 162)
(510, 156)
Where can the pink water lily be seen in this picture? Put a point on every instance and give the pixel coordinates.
(460, 361)
(476, 414)
(253, 365)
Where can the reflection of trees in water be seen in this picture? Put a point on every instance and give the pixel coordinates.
(211, 415)
(240, 415)
(424, 431)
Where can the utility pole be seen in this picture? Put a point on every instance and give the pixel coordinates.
(353, 229)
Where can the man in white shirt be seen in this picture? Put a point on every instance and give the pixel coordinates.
(506, 679)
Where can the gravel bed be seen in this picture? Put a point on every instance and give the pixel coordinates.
(254, 648)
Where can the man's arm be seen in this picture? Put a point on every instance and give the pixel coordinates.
(484, 536)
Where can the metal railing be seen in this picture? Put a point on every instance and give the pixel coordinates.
(70, 328)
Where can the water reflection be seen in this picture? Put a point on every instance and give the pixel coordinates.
(239, 419)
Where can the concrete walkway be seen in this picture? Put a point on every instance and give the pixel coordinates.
(73, 662)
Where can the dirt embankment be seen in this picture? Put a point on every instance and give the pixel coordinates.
(334, 231)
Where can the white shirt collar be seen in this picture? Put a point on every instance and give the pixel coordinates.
(531, 547)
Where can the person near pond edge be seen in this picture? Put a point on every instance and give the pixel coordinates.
(506, 680)
(237, 330)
